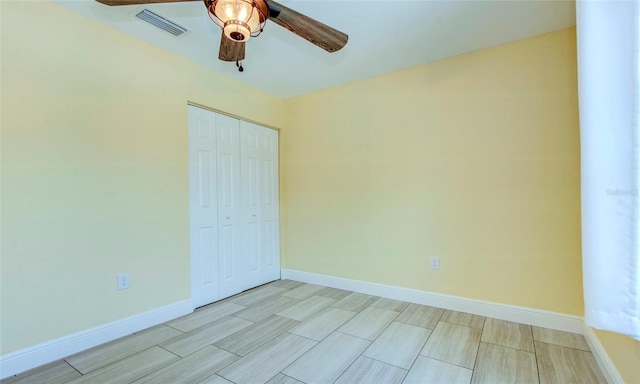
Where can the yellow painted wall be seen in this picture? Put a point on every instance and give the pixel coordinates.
(474, 159)
(94, 170)
(625, 354)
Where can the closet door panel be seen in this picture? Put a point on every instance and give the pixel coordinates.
(270, 212)
(251, 185)
(259, 166)
(231, 263)
(203, 207)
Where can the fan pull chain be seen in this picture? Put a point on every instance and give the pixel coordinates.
(239, 65)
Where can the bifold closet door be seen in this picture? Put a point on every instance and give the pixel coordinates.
(203, 203)
(234, 205)
(261, 244)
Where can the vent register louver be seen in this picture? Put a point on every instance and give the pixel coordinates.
(161, 22)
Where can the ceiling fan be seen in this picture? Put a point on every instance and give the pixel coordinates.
(242, 19)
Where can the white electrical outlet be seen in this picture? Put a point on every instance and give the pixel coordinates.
(435, 262)
(123, 281)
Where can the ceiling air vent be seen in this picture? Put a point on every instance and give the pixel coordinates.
(161, 22)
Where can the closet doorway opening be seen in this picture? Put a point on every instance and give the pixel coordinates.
(233, 205)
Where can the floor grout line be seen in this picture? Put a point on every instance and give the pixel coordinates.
(74, 368)
(535, 354)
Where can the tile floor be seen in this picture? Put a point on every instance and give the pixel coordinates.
(290, 332)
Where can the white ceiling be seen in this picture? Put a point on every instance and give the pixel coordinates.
(384, 36)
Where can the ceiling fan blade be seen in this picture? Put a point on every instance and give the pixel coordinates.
(320, 34)
(132, 2)
(230, 50)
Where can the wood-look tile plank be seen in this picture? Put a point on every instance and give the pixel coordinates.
(304, 291)
(426, 370)
(399, 344)
(369, 323)
(267, 361)
(193, 368)
(130, 368)
(365, 370)
(565, 339)
(355, 302)
(257, 295)
(390, 304)
(325, 362)
(454, 344)
(205, 315)
(283, 379)
(558, 364)
(105, 354)
(307, 307)
(323, 324)
(421, 316)
(56, 372)
(286, 284)
(499, 364)
(461, 318)
(508, 334)
(199, 338)
(334, 293)
(266, 308)
(255, 335)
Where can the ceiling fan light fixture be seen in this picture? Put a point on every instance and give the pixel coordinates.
(239, 19)
(236, 30)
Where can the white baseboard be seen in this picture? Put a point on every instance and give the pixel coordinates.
(28, 358)
(604, 362)
(523, 315)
